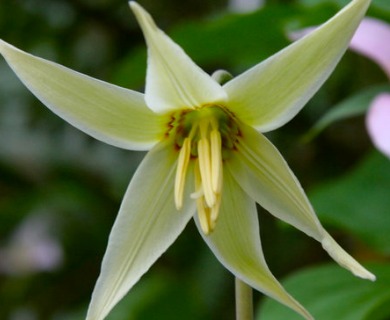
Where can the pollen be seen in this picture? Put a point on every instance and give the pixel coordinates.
(201, 136)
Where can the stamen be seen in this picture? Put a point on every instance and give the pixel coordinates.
(203, 215)
(207, 216)
(203, 211)
(181, 172)
(216, 160)
(205, 135)
(205, 171)
(215, 211)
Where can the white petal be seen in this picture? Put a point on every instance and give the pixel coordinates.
(273, 92)
(147, 224)
(343, 258)
(236, 243)
(261, 171)
(173, 80)
(378, 123)
(370, 40)
(109, 113)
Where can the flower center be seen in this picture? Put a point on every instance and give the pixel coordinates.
(204, 136)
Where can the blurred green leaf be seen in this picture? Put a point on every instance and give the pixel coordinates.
(159, 296)
(382, 4)
(329, 292)
(318, 2)
(359, 202)
(352, 106)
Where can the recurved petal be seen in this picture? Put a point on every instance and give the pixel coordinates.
(108, 113)
(147, 224)
(369, 40)
(261, 171)
(236, 243)
(173, 80)
(274, 91)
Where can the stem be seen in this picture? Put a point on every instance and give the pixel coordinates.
(244, 301)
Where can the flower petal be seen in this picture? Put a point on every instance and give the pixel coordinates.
(147, 224)
(236, 243)
(106, 112)
(372, 39)
(378, 120)
(173, 80)
(273, 92)
(261, 171)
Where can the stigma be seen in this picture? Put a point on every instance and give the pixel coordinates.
(199, 139)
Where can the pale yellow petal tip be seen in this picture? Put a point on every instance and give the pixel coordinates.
(344, 259)
(6, 49)
(3, 45)
(297, 307)
(137, 8)
(134, 5)
(290, 302)
(143, 17)
(304, 313)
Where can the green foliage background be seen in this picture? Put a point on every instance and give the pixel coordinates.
(52, 171)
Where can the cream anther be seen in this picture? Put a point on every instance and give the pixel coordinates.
(181, 172)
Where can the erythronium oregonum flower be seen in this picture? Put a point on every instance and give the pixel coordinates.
(372, 39)
(207, 151)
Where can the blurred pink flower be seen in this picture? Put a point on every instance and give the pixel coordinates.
(378, 122)
(372, 40)
(31, 248)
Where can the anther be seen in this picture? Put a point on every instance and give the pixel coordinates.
(216, 160)
(215, 210)
(181, 172)
(205, 171)
(203, 215)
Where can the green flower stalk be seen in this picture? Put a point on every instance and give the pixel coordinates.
(208, 156)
